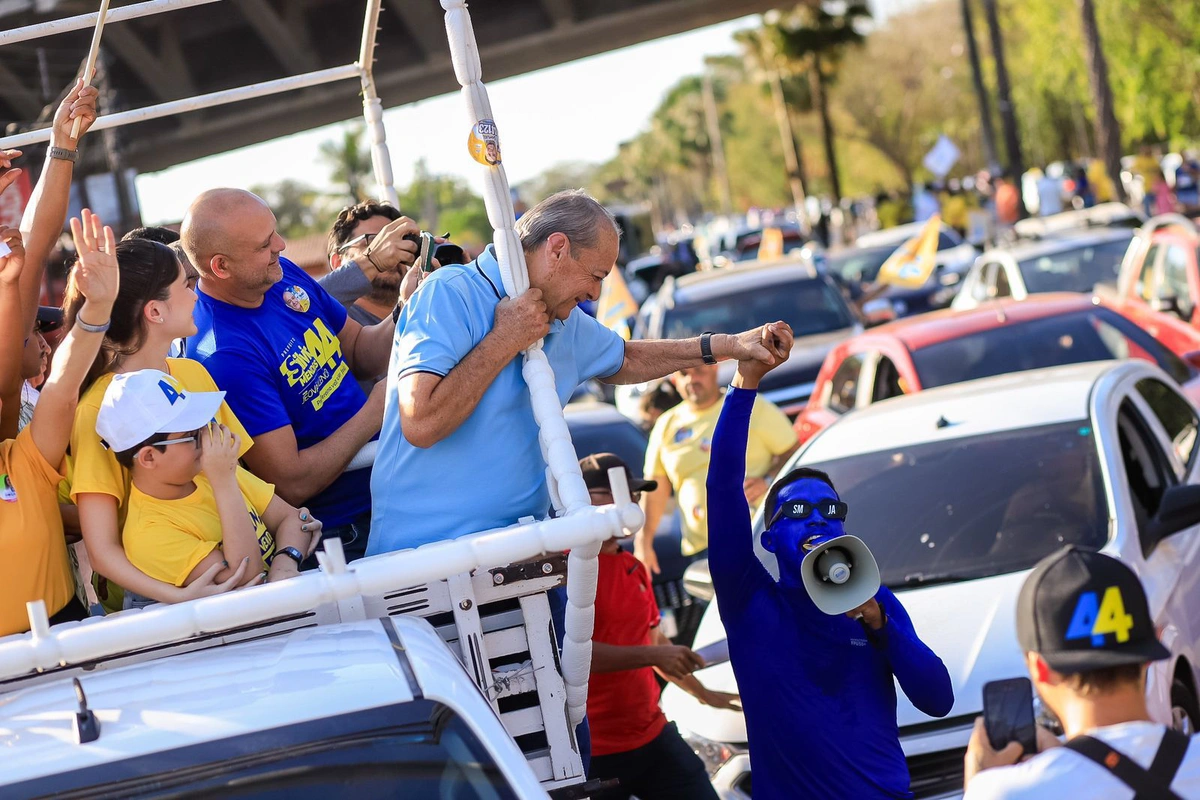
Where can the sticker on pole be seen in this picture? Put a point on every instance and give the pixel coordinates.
(484, 143)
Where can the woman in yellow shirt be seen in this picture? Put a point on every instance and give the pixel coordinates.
(33, 552)
(153, 309)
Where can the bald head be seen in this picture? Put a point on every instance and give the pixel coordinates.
(229, 236)
(205, 232)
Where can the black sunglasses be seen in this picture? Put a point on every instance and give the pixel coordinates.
(834, 509)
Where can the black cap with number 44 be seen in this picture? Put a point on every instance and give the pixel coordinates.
(1082, 610)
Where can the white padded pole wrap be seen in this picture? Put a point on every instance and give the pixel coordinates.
(567, 490)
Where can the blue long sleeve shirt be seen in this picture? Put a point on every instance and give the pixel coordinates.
(817, 690)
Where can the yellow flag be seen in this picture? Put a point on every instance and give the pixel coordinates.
(616, 304)
(913, 262)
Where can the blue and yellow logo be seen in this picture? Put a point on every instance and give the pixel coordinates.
(1095, 618)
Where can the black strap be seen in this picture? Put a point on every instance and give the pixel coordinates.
(1147, 784)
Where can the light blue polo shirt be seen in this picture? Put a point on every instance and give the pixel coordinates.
(489, 473)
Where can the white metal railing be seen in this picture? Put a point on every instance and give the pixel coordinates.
(567, 489)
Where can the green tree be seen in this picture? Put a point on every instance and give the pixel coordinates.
(815, 36)
(349, 162)
(299, 208)
(443, 203)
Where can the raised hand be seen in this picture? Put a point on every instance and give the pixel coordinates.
(768, 348)
(219, 452)
(11, 264)
(96, 273)
(80, 103)
(8, 173)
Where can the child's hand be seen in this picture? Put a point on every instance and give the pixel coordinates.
(219, 452)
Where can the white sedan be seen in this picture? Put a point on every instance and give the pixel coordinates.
(959, 491)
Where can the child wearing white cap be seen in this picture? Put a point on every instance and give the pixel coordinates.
(190, 505)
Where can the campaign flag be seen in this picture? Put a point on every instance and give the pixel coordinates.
(913, 262)
(616, 304)
(942, 157)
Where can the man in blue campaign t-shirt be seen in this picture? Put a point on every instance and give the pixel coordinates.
(459, 450)
(287, 356)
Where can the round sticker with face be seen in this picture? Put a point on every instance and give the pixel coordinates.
(484, 143)
(296, 299)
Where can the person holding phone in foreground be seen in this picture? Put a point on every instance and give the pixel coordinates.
(1085, 627)
(819, 691)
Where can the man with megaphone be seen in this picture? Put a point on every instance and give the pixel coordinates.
(815, 652)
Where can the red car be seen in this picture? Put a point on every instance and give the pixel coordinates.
(1160, 277)
(1004, 336)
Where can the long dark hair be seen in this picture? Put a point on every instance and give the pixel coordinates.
(147, 271)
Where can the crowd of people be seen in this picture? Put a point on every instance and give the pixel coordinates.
(213, 413)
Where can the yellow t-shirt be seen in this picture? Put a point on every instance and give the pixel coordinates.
(33, 552)
(679, 449)
(166, 539)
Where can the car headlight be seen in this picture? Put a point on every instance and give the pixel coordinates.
(714, 754)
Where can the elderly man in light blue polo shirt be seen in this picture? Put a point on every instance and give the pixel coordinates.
(459, 451)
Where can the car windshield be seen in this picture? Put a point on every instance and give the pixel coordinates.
(1076, 270)
(860, 265)
(976, 506)
(425, 752)
(1097, 334)
(809, 305)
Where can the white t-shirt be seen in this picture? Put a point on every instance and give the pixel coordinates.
(1063, 773)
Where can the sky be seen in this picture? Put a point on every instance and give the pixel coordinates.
(579, 111)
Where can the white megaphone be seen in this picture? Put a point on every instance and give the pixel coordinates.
(840, 575)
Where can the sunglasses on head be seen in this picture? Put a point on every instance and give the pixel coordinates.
(801, 509)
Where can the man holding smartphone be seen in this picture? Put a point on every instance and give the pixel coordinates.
(1085, 627)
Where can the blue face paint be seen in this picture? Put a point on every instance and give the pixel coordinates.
(791, 539)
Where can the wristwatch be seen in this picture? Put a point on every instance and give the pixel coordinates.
(291, 553)
(706, 347)
(63, 154)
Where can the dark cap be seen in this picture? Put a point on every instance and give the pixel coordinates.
(49, 318)
(1082, 610)
(595, 473)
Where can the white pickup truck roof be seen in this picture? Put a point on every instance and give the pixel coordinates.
(192, 699)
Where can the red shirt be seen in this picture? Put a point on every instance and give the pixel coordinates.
(622, 707)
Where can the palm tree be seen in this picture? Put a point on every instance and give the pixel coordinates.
(761, 52)
(349, 161)
(1108, 131)
(816, 35)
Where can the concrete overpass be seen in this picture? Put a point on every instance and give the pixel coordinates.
(237, 42)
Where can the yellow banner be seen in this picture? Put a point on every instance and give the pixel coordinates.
(914, 261)
(616, 304)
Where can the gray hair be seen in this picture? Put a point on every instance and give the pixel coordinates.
(572, 213)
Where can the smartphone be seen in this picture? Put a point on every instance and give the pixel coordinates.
(1008, 713)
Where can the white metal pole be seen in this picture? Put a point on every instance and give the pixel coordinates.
(195, 103)
(89, 20)
(381, 159)
(563, 477)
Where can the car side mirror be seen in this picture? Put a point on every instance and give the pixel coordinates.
(877, 312)
(1178, 511)
(1166, 304)
(698, 582)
